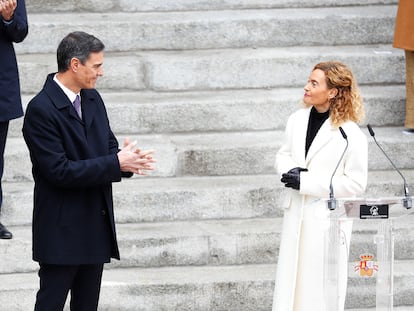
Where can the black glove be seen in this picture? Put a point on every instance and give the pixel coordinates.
(297, 170)
(291, 179)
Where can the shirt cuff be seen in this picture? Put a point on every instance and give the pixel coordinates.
(8, 22)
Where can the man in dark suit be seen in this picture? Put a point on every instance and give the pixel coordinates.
(75, 158)
(13, 28)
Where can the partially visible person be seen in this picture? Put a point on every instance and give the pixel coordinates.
(75, 159)
(13, 29)
(311, 150)
(404, 39)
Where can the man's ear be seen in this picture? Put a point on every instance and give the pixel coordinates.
(74, 64)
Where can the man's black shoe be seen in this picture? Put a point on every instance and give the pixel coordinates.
(408, 131)
(4, 233)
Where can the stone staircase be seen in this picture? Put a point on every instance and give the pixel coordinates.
(209, 85)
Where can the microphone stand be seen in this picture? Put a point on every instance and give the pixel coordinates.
(407, 201)
(332, 201)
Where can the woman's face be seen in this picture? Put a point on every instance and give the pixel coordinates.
(317, 93)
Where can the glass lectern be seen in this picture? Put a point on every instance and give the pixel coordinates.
(371, 224)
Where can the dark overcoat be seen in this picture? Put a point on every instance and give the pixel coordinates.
(74, 165)
(16, 31)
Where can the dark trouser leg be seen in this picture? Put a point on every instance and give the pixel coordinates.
(4, 127)
(56, 281)
(86, 288)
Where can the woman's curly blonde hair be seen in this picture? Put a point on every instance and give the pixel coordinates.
(347, 105)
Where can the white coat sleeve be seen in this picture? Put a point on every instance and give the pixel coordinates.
(284, 158)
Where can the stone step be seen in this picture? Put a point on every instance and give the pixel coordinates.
(211, 242)
(195, 243)
(395, 308)
(194, 198)
(218, 154)
(214, 288)
(170, 199)
(54, 6)
(222, 111)
(217, 29)
(225, 69)
(240, 288)
(182, 155)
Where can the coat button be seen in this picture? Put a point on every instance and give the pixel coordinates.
(103, 212)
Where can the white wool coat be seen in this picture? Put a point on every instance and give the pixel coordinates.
(299, 278)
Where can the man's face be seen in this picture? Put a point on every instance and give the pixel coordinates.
(88, 74)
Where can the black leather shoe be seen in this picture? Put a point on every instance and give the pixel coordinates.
(4, 233)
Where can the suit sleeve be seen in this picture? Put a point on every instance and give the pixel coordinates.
(18, 29)
(114, 148)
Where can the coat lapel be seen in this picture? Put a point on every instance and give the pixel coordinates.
(324, 135)
(88, 108)
(299, 137)
(59, 98)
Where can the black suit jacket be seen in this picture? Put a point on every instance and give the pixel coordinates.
(10, 101)
(74, 165)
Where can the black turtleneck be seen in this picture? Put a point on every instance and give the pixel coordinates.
(316, 120)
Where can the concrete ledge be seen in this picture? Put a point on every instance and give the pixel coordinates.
(215, 242)
(396, 308)
(192, 198)
(225, 69)
(133, 113)
(120, 72)
(230, 288)
(200, 243)
(218, 154)
(169, 199)
(216, 29)
(188, 288)
(268, 68)
(53, 6)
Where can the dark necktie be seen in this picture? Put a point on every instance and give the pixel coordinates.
(76, 104)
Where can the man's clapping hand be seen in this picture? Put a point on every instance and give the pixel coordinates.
(7, 8)
(134, 160)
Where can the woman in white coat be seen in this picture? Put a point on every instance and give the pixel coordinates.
(312, 149)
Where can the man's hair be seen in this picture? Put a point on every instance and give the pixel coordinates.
(78, 45)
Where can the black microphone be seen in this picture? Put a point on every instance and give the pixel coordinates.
(332, 200)
(407, 201)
